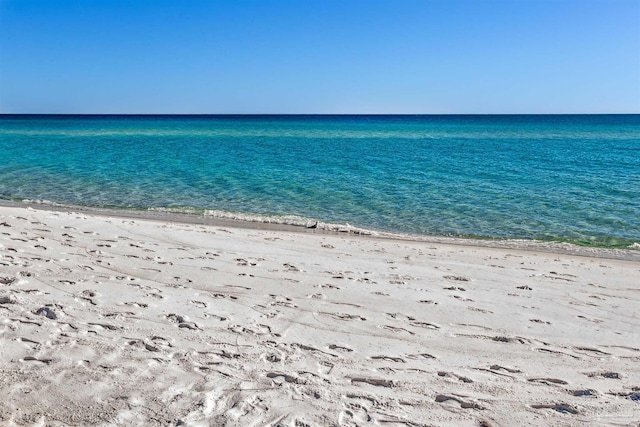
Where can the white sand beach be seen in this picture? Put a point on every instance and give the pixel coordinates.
(133, 322)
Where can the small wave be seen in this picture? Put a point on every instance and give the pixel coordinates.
(177, 210)
(295, 220)
(268, 219)
(635, 245)
(43, 202)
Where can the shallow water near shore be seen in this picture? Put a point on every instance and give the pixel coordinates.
(554, 178)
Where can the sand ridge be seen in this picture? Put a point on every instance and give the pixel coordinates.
(116, 321)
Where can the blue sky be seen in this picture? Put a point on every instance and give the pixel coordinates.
(320, 56)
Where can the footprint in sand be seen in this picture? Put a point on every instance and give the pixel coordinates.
(441, 398)
(105, 326)
(143, 345)
(457, 278)
(374, 381)
(354, 414)
(584, 393)
(328, 286)
(539, 321)
(420, 356)
(389, 359)
(46, 312)
(504, 368)
(589, 351)
(563, 408)
(243, 262)
(312, 349)
(281, 376)
(396, 329)
(182, 321)
(35, 359)
(455, 376)
(340, 348)
(154, 295)
(635, 396)
(548, 381)
(272, 357)
(608, 375)
(344, 316)
(137, 304)
(215, 316)
(426, 325)
(6, 299)
(176, 318)
(199, 304)
(88, 296)
(217, 295)
(188, 325)
(590, 320)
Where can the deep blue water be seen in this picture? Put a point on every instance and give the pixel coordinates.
(560, 177)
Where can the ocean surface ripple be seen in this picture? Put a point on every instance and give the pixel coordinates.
(562, 178)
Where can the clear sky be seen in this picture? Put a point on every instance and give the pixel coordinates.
(320, 56)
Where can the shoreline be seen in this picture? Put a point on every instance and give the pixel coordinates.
(564, 248)
(109, 320)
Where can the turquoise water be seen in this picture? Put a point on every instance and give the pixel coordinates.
(559, 178)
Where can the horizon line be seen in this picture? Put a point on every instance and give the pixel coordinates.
(316, 114)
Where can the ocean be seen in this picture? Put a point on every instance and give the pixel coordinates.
(557, 178)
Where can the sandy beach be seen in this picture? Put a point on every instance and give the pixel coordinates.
(134, 322)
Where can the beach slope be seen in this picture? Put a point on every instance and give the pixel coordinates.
(118, 321)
